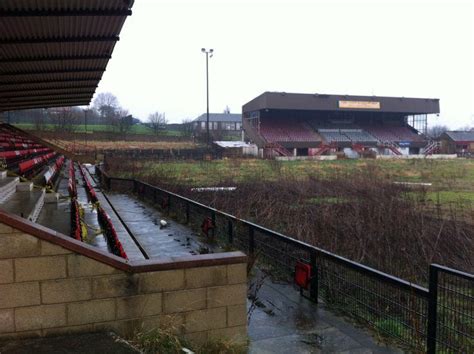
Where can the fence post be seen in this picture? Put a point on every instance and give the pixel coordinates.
(135, 186)
(314, 285)
(432, 310)
(230, 232)
(251, 240)
(213, 218)
(187, 212)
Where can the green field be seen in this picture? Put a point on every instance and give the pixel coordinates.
(137, 129)
(452, 180)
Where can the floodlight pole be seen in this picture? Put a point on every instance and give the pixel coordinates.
(207, 51)
(85, 125)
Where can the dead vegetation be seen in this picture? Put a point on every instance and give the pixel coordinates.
(374, 222)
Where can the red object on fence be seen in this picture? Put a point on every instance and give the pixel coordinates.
(207, 225)
(302, 274)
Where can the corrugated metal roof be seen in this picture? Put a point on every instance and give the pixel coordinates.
(220, 117)
(54, 52)
(461, 135)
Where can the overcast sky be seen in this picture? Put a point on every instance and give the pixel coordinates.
(407, 48)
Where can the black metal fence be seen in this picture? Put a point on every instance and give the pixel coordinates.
(436, 320)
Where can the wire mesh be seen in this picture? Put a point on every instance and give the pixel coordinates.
(455, 313)
(397, 311)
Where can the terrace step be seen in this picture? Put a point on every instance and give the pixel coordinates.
(26, 204)
(24, 187)
(131, 249)
(7, 187)
(56, 215)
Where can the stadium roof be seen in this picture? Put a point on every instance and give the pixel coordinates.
(53, 53)
(461, 136)
(324, 102)
(220, 117)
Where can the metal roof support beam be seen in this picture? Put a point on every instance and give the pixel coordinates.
(52, 88)
(51, 81)
(46, 102)
(64, 13)
(72, 71)
(47, 72)
(55, 58)
(58, 40)
(48, 96)
(43, 105)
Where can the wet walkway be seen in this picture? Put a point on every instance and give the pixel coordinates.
(285, 322)
(144, 222)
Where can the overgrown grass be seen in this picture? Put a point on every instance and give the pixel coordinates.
(452, 180)
(138, 129)
(166, 341)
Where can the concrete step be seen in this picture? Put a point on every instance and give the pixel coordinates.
(26, 204)
(24, 187)
(7, 187)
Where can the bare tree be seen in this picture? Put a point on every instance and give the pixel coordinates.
(123, 121)
(106, 104)
(157, 121)
(64, 119)
(38, 119)
(187, 127)
(436, 130)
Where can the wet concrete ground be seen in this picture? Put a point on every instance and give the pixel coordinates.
(173, 240)
(93, 343)
(57, 216)
(285, 322)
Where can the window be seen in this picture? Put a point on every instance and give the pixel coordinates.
(238, 126)
(203, 125)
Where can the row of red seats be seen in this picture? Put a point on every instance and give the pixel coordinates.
(277, 130)
(90, 191)
(110, 233)
(104, 220)
(14, 154)
(38, 161)
(76, 228)
(53, 171)
(72, 182)
(11, 146)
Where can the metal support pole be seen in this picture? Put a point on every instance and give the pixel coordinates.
(213, 218)
(187, 212)
(314, 285)
(85, 126)
(230, 232)
(432, 310)
(207, 95)
(251, 241)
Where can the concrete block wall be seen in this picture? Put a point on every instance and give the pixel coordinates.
(48, 288)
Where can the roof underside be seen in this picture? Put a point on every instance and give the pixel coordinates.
(53, 53)
(324, 102)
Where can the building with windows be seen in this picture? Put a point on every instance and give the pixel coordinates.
(221, 125)
(457, 142)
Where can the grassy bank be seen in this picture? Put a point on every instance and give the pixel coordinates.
(452, 180)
